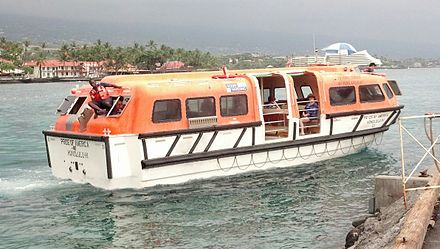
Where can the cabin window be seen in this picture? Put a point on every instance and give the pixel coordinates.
(305, 91)
(388, 90)
(280, 94)
(266, 94)
(342, 95)
(200, 107)
(371, 93)
(167, 111)
(395, 87)
(66, 104)
(119, 104)
(233, 105)
(78, 103)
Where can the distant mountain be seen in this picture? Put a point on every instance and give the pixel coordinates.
(225, 40)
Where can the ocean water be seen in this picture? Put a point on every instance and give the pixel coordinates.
(310, 206)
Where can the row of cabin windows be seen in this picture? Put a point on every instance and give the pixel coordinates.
(169, 110)
(346, 95)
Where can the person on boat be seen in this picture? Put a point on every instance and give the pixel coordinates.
(272, 103)
(119, 106)
(370, 68)
(311, 112)
(101, 99)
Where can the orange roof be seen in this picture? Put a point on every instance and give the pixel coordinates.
(55, 63)
(172, 65)
(5, 61)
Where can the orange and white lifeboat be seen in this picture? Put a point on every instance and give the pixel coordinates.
(172, 128)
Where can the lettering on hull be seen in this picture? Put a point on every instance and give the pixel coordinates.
(78, 154)
(74, 147)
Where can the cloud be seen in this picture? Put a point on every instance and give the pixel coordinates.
(342, 20)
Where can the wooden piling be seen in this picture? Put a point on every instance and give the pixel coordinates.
(414, 229)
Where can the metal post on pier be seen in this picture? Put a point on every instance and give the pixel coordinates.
(413, 230)
(428, 151)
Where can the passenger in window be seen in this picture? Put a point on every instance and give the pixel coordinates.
(311, 112)
(272, 103)
(240, 105)
(119, 106)
(101, 100)
(370, 68)
(206, 107)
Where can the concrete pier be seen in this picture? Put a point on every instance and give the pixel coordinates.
(393, 225)
(388, 189)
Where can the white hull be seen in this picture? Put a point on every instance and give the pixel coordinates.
(256, 161)
(125, 155)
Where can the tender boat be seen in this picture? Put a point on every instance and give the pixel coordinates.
(173, 128)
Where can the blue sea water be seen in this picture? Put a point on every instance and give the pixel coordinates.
(310, 206)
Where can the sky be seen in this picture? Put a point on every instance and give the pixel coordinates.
(396, 28)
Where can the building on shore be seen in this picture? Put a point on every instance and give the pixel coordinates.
(13, 71)
(56, 69)
(67, 69)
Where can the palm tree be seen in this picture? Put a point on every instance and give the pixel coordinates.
(40, 60)
(64, 52)
(151, 45)
(24, 55)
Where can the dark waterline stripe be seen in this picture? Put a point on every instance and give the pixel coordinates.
(47, 152)
(108, 158)
(211, 141)
(352, 113)
(358, 123)
(196, 143)
(173, 145)
(144, 147)
(74, 136)
(388, 119)
(197, 130)
(331, 127)
(240, 137)
(160, 162)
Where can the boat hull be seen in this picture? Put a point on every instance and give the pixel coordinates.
(115, 162)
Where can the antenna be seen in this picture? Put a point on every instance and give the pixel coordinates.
(314, 49)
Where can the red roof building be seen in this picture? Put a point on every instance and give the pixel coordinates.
(172, 65)
(5, 61)
(56, 68)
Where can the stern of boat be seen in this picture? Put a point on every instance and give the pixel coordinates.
(109, 162)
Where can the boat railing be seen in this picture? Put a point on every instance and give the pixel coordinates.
(275, 117)
(428, 150)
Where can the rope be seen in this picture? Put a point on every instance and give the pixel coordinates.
(325, 150)
(279, 160)
(291, 158)
(219, 165)
(375, 139)
(336, 149)
(364, 143)
(255, 164)
(248, 165)
(349, 148)
(311, 152)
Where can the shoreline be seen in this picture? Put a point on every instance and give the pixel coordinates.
(38, 80)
